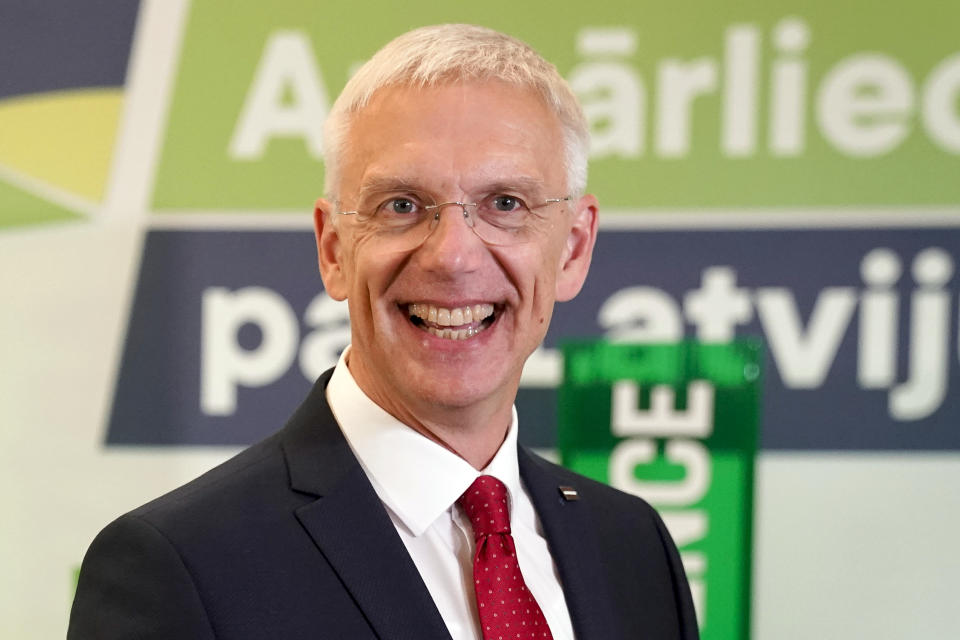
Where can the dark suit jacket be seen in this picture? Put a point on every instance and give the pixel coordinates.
(289, 540)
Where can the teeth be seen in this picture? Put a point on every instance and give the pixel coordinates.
(481, 311)
(450, 317)
(454, 334)
(451, 324)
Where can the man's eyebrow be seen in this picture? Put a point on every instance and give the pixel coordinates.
(386, 184)
(524, 184)
(374, 185)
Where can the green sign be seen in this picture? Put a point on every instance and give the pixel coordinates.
(676, 425)
(690, 103)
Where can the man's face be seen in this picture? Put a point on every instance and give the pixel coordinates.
(458, 142)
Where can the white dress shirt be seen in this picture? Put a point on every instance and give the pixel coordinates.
(419, 482)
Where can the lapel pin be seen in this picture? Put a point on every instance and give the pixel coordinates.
(569, 493)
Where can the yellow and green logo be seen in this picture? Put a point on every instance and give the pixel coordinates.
(55, 152)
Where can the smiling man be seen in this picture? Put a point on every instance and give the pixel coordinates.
(396, 502)
(447, 302)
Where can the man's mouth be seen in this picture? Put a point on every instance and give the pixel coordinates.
(458, 323)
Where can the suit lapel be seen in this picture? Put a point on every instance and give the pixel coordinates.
(575, 549)
(372, 562)
(351, 528)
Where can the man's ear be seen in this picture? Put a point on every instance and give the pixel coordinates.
(578, 251)
(329, 250)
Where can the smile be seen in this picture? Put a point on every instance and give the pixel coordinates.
(458, 323)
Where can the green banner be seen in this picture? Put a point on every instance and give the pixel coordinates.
(690, 103)
(676, 425)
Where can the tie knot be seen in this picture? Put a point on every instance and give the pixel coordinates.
(485, 503)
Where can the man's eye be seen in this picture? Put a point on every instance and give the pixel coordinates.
(507, 203)
(400, 206)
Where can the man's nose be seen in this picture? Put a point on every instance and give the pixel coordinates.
(452, 245)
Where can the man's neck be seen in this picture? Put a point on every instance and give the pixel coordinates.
(474, 432)
(476, 439)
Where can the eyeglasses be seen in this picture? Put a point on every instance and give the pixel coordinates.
(497, 219)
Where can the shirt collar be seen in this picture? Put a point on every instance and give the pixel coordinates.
(414, 477)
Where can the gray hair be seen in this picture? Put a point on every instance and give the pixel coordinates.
(430, 56)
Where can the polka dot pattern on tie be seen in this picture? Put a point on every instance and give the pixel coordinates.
(507, 609)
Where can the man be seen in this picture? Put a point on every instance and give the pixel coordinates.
(455, 218)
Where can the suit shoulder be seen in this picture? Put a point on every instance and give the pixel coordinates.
(254, 490)
(133, 558)
(259, 469)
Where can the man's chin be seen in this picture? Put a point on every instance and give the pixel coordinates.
(453, 392)
(455, 387)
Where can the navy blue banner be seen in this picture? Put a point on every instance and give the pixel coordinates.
(49, 45)
(229, 328)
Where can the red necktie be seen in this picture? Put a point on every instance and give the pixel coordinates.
(507, 608)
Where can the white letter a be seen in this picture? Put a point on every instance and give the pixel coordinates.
(287, 98)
